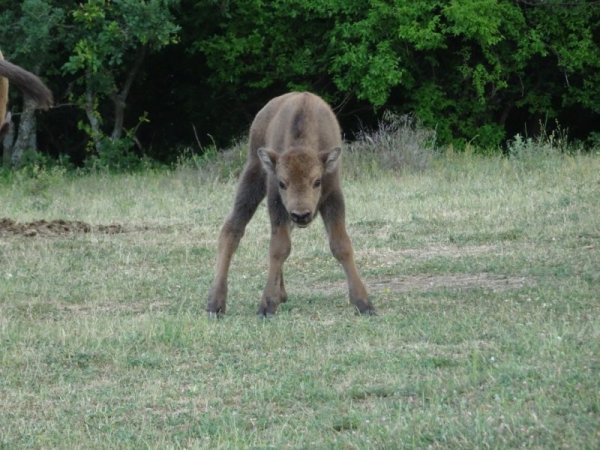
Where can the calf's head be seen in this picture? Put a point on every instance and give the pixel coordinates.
(299, 173)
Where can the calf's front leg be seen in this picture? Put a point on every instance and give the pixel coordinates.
(279, 250)
(250, 192)
(333, 214)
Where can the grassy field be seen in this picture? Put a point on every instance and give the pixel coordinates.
(485, 273)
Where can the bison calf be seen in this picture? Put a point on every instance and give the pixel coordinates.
(293, 159)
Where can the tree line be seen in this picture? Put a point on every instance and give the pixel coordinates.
(157, 77)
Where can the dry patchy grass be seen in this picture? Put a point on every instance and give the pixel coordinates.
(484, 272)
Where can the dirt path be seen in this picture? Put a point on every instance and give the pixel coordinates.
(10, 227)
(426, 283)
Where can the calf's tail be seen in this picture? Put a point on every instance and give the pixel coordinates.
(29, 83)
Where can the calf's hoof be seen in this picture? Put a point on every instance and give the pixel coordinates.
(216, 304)
(365, 308)
(212, 315)
(215, 308)
(368, 312)
(267, 309)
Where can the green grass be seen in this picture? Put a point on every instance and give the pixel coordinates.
(485, 273)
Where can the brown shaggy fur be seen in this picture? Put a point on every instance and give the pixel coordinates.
(293, 159)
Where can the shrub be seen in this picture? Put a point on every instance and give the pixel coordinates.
(399, 144)
(545, 143)
(214, 165)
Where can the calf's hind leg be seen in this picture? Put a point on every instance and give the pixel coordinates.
(250, 192)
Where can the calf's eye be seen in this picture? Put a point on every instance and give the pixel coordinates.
(317, 183)
(282, 185)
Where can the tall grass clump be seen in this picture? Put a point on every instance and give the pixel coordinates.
(214, 165)
(545, 143)
(544, 152)
(398, 144)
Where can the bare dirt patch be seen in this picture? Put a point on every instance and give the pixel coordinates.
(10, 227)
(492, 282)
(426, 283)
(382, 257)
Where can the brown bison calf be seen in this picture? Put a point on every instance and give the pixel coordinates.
(294, 158)
(27, 82)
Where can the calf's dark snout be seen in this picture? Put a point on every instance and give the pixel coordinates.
(301, 218)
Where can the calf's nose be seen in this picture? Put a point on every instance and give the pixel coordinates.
(300, 217)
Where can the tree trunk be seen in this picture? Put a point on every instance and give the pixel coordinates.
(505, 112)
(119, 117)
(120, 98)
(26, 137)
(92, 115)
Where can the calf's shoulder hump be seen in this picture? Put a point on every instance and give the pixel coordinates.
(295, 118)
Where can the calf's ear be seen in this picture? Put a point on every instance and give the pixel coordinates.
(331, 159)
(268, 158)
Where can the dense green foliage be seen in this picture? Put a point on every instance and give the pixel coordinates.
(476, 71)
